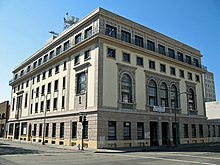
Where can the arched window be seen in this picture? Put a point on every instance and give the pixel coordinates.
(174, 97)
(163, 95)
(152, 93)
(126, 89)
(191, 99)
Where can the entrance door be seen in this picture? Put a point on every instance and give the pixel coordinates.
(153, 133)
(165, 132)
(17, 128)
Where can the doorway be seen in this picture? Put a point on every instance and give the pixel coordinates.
(165, 133)
(17, 128)
(153, 133)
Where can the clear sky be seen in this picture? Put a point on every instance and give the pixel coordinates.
(24, 26)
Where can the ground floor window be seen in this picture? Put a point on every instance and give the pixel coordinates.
(61, 130)
(112, 130)
(40, 130)
(35, 130)
(23, 128)
(74, 130)
(200, 130)
(193, 131)
(213, 131)
(11, 127)
(85, 130)
(185, 127)
(127, 130)
(140, 130)
(47, 130)
(54, 130)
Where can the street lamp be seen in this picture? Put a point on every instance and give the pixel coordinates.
(175, 120)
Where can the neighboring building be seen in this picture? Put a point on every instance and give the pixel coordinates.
(4, 114)
(213, 114)
(128, 79)
(209, 86)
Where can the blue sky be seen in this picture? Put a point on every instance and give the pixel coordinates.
(24, 27)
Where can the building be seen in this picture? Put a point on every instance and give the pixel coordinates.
(209, 86)
(4, 114)
(131, 85)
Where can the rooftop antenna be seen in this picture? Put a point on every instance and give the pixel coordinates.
(69, 20)
(54, 33)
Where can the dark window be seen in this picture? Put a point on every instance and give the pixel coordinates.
(48, 105)
(185, 128)
(126, 57)
(37, 92)
(31, 109)
(52, 54)
(181, 72)
(61, 130)
(162, 68)
(209, 131)
(47, 130)
(81, 83)
(64, 82)
(193, 131)
(140, 61)
(46, 58)
(125, 36)
(63, 102)
(55, 103)
(22, 72)
(35, 64)
(50, 72)
(38, 78)
(189, 76)
(36, 107)
(11, 128)
(13, 104)
(174, 97)
(111, 130)
(40, 130)
(180, 56)
(171, 53)
(39, 61)
(35, 130)
(188, 60)
(48, 87)
(161, 49)
(85, 130)
(28, 68)
(195, 62)
(74, 130)
(218, 130)
(140, 130)
(127, 130)
(23, 128)
(151, 64)
(42, 106)
(150, 45)
(200, 130)
(172, 71)
(213, 131)
(33, 80)
(164, 95)
(88, 32)
(54, 130)
(152, 93)
(87, 55)
(191, 99)
(76, 60)
(111, 53)
(43, 75)
(78, 38)
(139, 41)
(111, 31)
(64, 65)
(26, 100)
(56, 85)
(42, 90)
(66, 45)
(197, 78)
(126, 88)
(57, 68)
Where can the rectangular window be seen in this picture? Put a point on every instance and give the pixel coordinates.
(63, 102)
(50, 72)
(58, 50)
(26, 100)
(171, 53)
(185, 128)
(24, 129)
(43, 75)
(111, 31)
(151, 64)
(52, 54)
(42, 90)
(150, 45)
(61, 130)
(31, 109)
(195, 62)
(139, 41)
(127, 130)
(35, 64)
(56, 85)
(28, 68)
(74, 130)
(57, 69)
(76, 60)
(193, 131)
(140, 130)
(125, 36)
(161, 49)
(47, 130)
(189, 76)
(213, 131)
(40, 130)
(37, 92)
(11, 128)
(111, 53)
(181, 72)
(27, 83)
(39, 61)
(46, 58)
(197, 78)
(140, 61)
(218, 130)
(126, 57)
(78, 38)
(35, 130)
(55, 103)
(188, 60)
(209, 131)
(22, 72)
(42, 106)
(87, 55)
(85, 130)
(54, 130)
(172, 71)
(111, 130)
(64, 65)
(66, 45)
(64, 82)
(200, 130)
(38, 78)
(88, 32)
(36, 108)
(163, 68)
(48, 105)
(180, 56)
(13, 104)
(81, 83)
(48, 87)
(33, 80)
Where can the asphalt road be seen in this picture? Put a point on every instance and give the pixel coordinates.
(17, 153)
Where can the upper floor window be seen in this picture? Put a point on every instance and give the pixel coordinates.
(46, 58)
(111, 53)
(22, 72)
(56, 85)
(88, 32)
(35, 64)
(52, 54)
(191, 100)
(174, 97)
(181, 73)
(172, 71)
(162, 67)
(66, 45)
(126, 57)
(152, 93)
(189, 76)
(28, 68)
(140, 61)
(139, 41)
(57, 68)
(171, 53)
(180, 56)
(195, 62)
(151, 64)
(81, 83)
(76, 60)
(87, 55)
(111, 31)
(164, 95)
(150, 45)
(58, 50)
(161, 49)
(188, 60)
(197, 78)
(78, 38)
(39, 61)
(126, 88)
(125, 36)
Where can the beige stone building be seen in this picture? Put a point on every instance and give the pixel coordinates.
(129, 81)
(4, 114)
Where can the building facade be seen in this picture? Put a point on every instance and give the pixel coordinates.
(209, 86)
(134, 87)
(4, 114)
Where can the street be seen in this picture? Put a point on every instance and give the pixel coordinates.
(20, 153)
